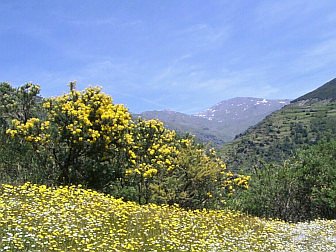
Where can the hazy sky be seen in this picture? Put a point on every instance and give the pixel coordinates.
(165, 54)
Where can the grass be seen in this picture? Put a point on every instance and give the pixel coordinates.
(39, 218)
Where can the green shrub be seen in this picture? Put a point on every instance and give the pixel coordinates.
(303, 188)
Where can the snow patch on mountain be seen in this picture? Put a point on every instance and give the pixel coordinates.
(241, 108)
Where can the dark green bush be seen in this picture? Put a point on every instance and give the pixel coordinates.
(303, 188)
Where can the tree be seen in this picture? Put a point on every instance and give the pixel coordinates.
(302, 188)
(155, 150)
(19, 103)
(17, 162)
(83, 134)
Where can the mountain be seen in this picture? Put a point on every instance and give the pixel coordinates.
(221, 122)
(305, 121)
(203, 129)
(240, 113)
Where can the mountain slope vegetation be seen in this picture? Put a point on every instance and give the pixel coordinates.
(302, 123)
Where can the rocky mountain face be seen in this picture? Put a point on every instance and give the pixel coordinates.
(223, 121)
(239, 113)
(204, 130)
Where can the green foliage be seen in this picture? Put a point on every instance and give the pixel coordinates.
(201, 179)
(279, 135)
(303, 188)
(19, 103)
(19, 160)
(192, 168)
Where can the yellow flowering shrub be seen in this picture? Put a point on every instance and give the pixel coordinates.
(154, 152)
(88, 117)
(83, 133)
(201, 178)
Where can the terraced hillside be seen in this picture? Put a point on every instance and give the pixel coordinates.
(297, 125)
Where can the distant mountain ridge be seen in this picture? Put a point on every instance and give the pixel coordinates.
(221, 122)
(325, 92)
(203, 129)
(242, 112)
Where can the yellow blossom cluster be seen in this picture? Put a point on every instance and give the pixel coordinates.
(33, 130)
(40, 218)
(234, 181)
(186, 142)
(88, 116)
(154, 148)
(80, 117)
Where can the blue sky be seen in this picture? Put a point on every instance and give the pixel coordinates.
(178, 55)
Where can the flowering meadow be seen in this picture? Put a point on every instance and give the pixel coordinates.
(40, 218)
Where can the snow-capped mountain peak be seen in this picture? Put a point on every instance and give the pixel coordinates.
(242, 108)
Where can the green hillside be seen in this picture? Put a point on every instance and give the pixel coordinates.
(306, 121)
(275, 138)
